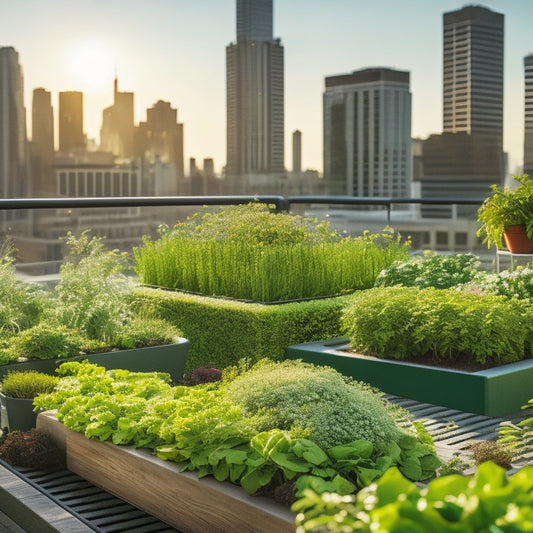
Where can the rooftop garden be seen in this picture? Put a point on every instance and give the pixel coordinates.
(242, 284)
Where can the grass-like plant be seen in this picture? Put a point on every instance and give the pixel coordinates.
(27, 384)
(251, 253)
(407, 322)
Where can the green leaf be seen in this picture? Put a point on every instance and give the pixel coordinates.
(358, 448)
(310, 451)
(257, 478)
(411, 468)
(290, 463)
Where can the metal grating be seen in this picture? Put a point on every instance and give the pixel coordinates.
(98, 509)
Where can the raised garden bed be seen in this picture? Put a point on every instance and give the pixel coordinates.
(491, 392)
(180, 499)
(170, 358)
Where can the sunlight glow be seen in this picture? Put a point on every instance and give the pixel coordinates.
(91, 66)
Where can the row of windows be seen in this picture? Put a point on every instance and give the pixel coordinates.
(89, 184)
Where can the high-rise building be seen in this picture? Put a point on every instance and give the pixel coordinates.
(71, 136)
(159, 141)
(13, 141)
(255, 94)
(367, 133)
(296, 152)
(473, 72)
(528, 116)
(116, 135)
(42, 143)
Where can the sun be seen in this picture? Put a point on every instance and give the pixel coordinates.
(91, 65)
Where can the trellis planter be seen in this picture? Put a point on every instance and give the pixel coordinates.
(180, 499)
(492, 392)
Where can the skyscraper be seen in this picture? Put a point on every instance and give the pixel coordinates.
(42, 143)
(13, 142)
(71, 136)
(473, 72)
(296, 152)
(367, 133)
(528, 116)
(116, 135)
(255, 94)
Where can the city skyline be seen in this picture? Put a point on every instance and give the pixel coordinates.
(173, 51)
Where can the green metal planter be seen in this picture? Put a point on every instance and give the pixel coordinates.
(170, 358)
(17, 413)
(493, 392)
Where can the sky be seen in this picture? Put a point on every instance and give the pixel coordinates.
(174, 50)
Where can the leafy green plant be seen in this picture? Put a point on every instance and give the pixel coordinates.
(27, 384)
(248, 252)
(406, 322)
(430, 270)
(504, 208)
(204, 429)
(485, 501)
(516, 283)
(518, 438)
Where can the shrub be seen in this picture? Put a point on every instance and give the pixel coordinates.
(249, 253)
(204, 374)
(46, 341)
(142, 331)
(406, 322)
(22, 304)
(27, 384)
(518, 438)
(92, 293)
(31, 449)
(222, 332)
(430, 270)
(484, 450)
(319, 401)
(517, 283)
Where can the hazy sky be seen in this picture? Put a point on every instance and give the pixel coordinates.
(174, 50)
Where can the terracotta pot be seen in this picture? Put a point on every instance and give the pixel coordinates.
(517, 241)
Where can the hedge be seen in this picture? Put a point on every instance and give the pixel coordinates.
(224, 331)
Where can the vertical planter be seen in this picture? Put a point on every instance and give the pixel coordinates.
(17, 413)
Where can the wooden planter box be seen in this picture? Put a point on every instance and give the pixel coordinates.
(493, 392)
(180, 499)
(170, 358)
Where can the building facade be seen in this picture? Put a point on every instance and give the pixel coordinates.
(71, 135)
(473, 72)
(528, 115)
(296, 152)
(13, 140)
(367, 133)
(116, 135)
(255, 94)
(42, 144)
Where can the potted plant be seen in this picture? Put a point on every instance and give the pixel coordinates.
(507, 217)
(18, 389)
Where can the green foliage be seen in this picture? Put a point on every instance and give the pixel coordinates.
(486, 501)
(204, 429)
(222, 332)
(46, 341)
(248, 252)
(21, 304)
(93, 288)
(317, 401)
(430, 270)
(142, 331)
(406, 322)
(504, 208)
(27, 384)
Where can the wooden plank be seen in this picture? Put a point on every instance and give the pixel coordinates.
(180, 499)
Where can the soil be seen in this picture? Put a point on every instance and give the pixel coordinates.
(463, 365)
